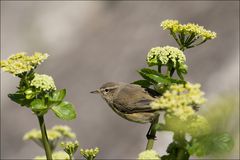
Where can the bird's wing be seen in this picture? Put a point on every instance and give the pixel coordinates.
(132, 99)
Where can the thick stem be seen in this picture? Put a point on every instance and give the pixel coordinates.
(45, 142)
(182, 153)
(152, 134)
(70, 156)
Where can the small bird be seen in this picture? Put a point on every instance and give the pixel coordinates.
(130, 101)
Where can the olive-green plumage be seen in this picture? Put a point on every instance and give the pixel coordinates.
(130, 101)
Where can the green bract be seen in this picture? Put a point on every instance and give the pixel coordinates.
(20, 62)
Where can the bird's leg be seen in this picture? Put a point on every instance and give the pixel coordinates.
(149, 135)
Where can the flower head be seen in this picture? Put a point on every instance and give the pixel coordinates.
(64, 130)
(70, 147)
(89, 153)
(166, 56)
(55, 134)
(190, 28)
(196, 125)
(171, 25)
(56, 156)
(43, 82)
(180, 100)
(36, 135)
(20, 62)
(149, 154)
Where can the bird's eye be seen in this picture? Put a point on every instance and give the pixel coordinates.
(106, 90)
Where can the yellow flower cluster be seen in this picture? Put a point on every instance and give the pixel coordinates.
(89, 153)
(171, 24)
(149, 154)
(56, 156)
(55, 133)
(43, 82)
(20, 62)
(189, 28)
(166, 55)
(70, 147)
(65, 131)
(180, 99)
(36, 135)
(196, 125)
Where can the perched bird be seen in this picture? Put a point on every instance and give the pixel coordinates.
(129, 101)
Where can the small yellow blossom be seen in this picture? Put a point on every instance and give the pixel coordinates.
(59, 155)
(149, 155)
(43, 82)
(171, 24)
(69, 147)
(89, 153)
(20, 62)
(65, 131)
(165, 56)
(190, 28)
(180, 99)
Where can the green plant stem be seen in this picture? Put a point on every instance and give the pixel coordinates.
(182, 153)
(45, 142)
(197, 44)
(159, 69)
(152, 134)
(175, 37)
(70, 156)
(90, 158)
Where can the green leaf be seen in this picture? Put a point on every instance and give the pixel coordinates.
(215, 143)
(146, 77)
(222, 142)
(148, 70)
(38, 105)
(57, 96)
(159, 79)
(19, 98)
(143, 83)
(155, 77)
(64, 111)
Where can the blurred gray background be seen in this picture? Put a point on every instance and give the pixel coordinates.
(90, 43)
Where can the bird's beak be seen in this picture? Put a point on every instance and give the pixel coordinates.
(95, 92)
